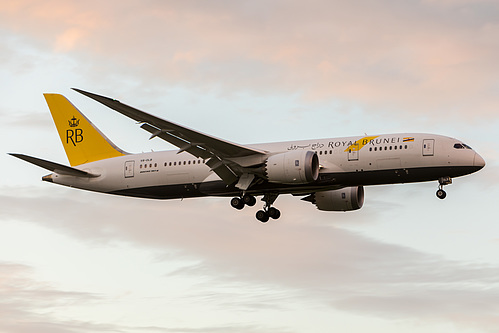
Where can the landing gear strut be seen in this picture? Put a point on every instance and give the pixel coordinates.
(268, 211)
(442, 181)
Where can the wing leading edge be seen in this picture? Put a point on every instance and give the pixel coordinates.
(221, 155)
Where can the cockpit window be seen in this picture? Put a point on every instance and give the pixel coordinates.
(461, 146)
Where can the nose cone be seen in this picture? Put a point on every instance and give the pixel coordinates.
(478, 161)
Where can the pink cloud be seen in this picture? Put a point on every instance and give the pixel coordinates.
(415, 57)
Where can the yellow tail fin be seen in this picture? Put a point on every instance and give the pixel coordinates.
(82, 141)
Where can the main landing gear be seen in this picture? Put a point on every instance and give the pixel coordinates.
(442, 181)
(262, 215)
(268, 211)
(239, 203)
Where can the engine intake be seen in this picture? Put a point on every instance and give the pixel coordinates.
(348, 198)
(293, 167)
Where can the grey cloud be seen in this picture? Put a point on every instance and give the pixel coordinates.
(461, 305)
(28, 305)
(302, 254)
(40, 121)
(215, 329)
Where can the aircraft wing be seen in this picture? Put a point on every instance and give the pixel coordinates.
(219, 153)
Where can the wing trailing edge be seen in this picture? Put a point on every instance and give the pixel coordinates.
(172, 132)
(223, 157)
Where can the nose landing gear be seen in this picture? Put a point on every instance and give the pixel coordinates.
(441, 194)
(442, 181)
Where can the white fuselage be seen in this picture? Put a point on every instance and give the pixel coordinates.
(351, 161)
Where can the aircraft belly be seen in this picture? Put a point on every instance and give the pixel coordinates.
(400, 175)
(326, 181)
(177, 191)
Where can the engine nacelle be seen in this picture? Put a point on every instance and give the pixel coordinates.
(348, 198)
(293, 167)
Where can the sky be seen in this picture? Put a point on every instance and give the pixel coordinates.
(249, 72)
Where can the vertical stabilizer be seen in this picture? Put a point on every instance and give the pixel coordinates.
(82, 141)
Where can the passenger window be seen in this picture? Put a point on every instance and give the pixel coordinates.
(405, 146)
(390, 147)
(395, 147)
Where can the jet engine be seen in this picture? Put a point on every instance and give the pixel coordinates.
(293, 167)
(347, 198)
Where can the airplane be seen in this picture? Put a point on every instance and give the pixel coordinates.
(330, 173)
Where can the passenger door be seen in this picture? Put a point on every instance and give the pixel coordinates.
(129, 166)
(353, 152)
(428, 147)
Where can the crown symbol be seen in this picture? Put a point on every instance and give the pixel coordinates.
(74, 122)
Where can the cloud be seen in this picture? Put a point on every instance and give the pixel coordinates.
(434, 59)
(417, 57)
(28, 305)
(470, 307)
(300, 257)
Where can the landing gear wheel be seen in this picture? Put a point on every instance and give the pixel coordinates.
(237, 203)
(274, 213)
(442, 181)
(249, 200)
(262, 216)
(441, 194)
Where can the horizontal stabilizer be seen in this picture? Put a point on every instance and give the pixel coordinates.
(55, 167)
